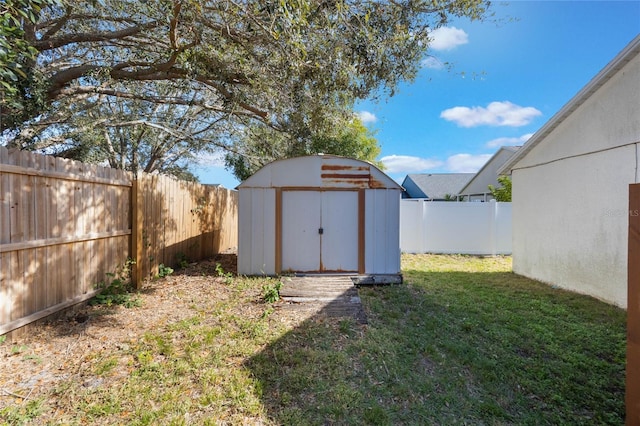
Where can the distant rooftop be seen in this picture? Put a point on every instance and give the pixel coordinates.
(435, 186)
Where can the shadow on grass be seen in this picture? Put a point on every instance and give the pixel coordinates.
(451, 348)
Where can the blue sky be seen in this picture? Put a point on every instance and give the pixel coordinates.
(506, 81)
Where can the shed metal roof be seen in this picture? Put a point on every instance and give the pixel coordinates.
(320, 171)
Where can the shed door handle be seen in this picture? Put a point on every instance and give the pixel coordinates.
(320, 231)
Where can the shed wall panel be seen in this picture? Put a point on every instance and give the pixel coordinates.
(382, 232)
(256, 231)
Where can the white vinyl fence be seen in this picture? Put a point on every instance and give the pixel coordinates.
(455, 227)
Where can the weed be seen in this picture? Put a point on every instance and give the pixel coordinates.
(164, 271)
(119, 290)
(346, 327)
(266, 312)
(22, 414)
(226, 276)
(18, 349)
(271, 292)
(3, 339)
(182, 260)
(35, 358)
(106, 366)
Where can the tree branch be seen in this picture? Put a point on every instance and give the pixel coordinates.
(52, 43)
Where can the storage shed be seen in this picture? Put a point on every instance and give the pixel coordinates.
(320, 214)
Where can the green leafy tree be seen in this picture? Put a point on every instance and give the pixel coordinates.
(503, 192)
(289, 67)
(19, 80)
(137, 135)
(350, 138)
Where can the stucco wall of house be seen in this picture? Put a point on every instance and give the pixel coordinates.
(570, 223)
(570, 194)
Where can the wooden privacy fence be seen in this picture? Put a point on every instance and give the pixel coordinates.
(65, 226)
(175, 221)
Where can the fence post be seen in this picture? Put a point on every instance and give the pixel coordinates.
(632, 396)
(137, 191)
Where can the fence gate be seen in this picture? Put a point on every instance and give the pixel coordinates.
(632, 396)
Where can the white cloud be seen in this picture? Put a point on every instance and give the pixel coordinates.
(495, 114)
(446, 38)
(466, 163)
(408, 164)
(367, 117)
(496, 143)
(432, 62)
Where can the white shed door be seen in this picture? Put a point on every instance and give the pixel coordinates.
(320, 231)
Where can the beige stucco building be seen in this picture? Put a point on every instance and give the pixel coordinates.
(570, 186)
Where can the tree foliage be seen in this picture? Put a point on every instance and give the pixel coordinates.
(17, 55)
(503, 192)
(247, 66)
(350, 138)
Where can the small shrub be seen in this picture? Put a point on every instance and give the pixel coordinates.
(183, 260)
(271, 292)
(119, 290)
(164, 271)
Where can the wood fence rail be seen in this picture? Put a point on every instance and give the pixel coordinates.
(66, 226)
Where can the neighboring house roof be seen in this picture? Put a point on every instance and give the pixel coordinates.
(435, 186)
(488, 174)
(623, 58)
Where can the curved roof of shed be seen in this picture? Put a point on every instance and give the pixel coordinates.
(320, 171)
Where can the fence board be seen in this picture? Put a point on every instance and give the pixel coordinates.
(42, 233)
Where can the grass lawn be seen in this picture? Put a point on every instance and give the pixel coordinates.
(463, 341)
